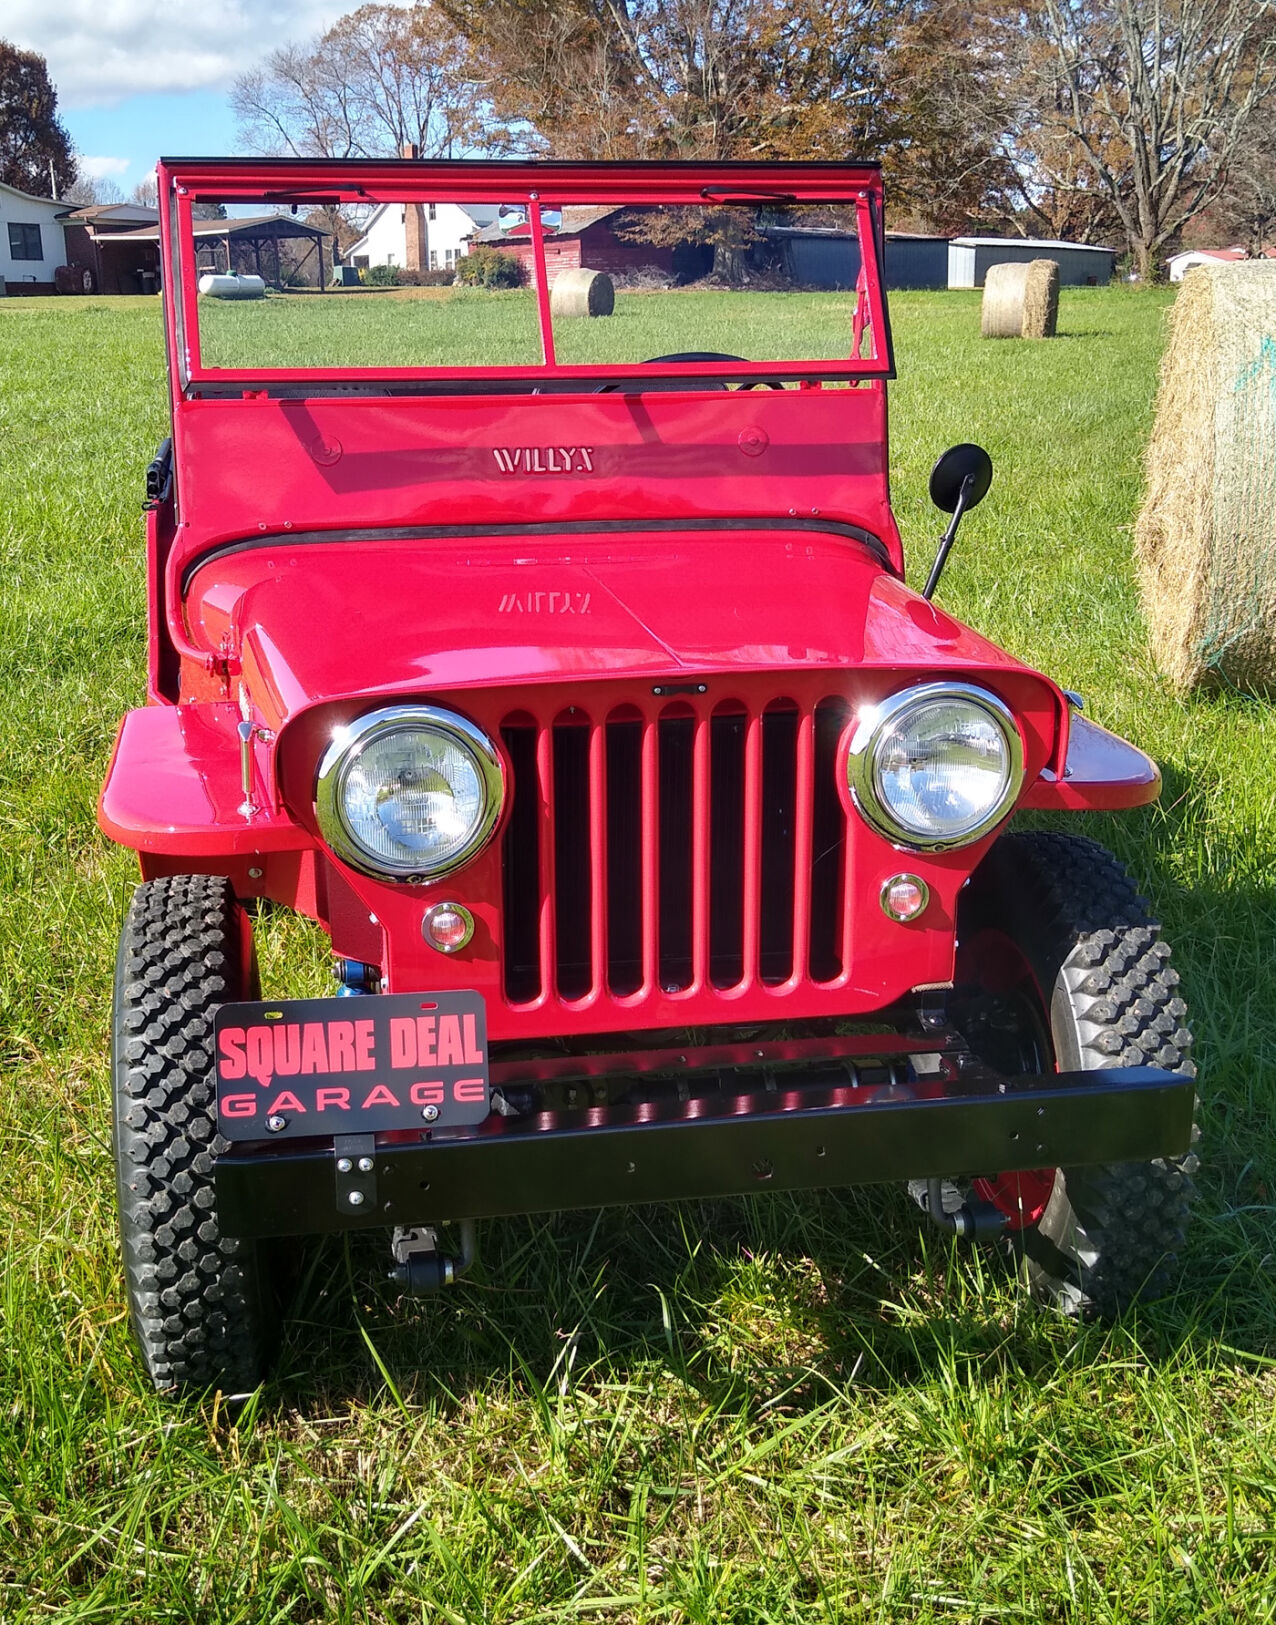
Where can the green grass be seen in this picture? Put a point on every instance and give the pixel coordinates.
(774, 1410)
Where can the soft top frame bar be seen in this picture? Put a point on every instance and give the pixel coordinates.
(473, 180)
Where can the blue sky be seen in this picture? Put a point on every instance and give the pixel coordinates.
(140, 129)
(142, 79)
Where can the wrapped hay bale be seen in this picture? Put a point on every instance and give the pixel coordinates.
(1021, 301)
(1206, 537)
(579, 292)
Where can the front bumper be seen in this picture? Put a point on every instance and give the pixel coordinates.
(822, 1125)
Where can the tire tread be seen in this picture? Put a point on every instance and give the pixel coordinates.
(1075, 902)
(195, 1295)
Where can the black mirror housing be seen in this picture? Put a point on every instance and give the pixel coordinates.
(953, 469)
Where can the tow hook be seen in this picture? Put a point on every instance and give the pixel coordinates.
(419, 1266)
(977, 1221)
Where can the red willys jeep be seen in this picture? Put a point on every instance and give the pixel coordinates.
(657, 825)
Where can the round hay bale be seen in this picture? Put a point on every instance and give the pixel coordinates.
(1206, 537)
(579, 292)
(1041, 299)
(1021, 300)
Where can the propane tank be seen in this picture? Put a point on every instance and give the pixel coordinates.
(218, 286)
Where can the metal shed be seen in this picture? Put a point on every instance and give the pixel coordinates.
(816, 257)
(1080, 264)
(916, 261)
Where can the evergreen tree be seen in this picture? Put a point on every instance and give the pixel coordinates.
(31, 135)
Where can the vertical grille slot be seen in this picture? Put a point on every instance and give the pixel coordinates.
(677, 744)
(828, 845)
(521, 868)
(726, 847)
(624, 856)
(779, 807)
(571, 859)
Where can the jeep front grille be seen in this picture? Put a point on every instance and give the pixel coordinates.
(683, 847)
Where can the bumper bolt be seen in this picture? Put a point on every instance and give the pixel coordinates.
(355, 1198)
(344, 1165)
(276, 1124)
(430, 1113)
(365, 1165)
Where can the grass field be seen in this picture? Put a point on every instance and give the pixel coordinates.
(441, 326)
(767, 1410)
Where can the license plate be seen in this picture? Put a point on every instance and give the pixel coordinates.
(351, 1065)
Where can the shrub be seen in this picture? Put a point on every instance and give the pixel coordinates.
(379, 276)
(490, 268)
(423, 279)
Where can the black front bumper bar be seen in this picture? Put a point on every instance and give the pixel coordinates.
(814, 1134)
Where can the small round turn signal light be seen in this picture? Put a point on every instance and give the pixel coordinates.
(904, 897)
(447, 927)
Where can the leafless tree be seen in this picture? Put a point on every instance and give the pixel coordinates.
(87, 189)
(1157, 95)
(1247, 206)
(380, 78)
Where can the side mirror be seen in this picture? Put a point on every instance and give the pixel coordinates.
(958, 481)
(950, 473)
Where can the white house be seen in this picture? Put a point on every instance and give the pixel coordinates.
(1181, 264)
(419, 236)
(32, 244)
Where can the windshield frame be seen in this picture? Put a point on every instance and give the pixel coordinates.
(185, 182)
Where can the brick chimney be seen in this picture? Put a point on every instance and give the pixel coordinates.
(416, 253)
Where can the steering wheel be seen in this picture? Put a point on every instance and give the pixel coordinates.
(692, 383)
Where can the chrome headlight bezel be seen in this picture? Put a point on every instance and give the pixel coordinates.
(348, 744)
(861, 763)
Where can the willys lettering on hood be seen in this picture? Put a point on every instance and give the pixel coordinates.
(312, 621)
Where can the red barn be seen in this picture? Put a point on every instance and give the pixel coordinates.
(586, 236)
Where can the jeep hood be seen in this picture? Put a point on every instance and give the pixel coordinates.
(330, 620)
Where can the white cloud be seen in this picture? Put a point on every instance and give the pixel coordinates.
(100, 51)
(98, 169)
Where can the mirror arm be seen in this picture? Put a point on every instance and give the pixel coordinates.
(949, 537)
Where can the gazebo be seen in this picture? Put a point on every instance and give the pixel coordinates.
(252, 244)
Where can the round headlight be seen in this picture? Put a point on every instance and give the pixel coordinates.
(936, 766)
(410, 793)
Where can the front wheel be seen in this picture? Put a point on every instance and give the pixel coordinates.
(1061, 967)
(199, 1301)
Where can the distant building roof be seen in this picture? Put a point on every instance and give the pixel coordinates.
(850, 234)
(576, 218)
(256, 225)
(27, 197)
(111, 214)
(1027, 242)
(1211, 254)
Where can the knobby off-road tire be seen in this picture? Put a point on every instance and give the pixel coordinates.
(1105, 995)
(199, 1301)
